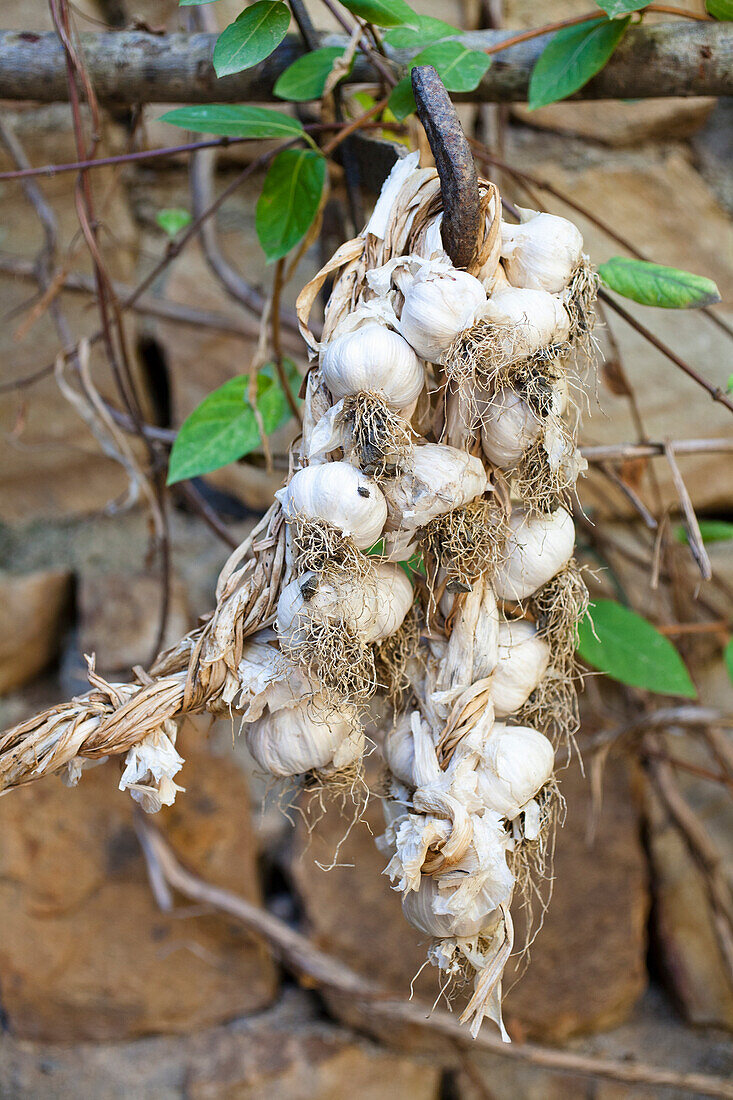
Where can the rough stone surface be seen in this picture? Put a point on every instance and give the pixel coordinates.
(683, 919)
(33, 610)
(285, 1053)
(85, 952)
(118, 617)
(587, 964)
(613, 122)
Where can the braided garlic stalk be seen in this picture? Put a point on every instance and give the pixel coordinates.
(436, 423)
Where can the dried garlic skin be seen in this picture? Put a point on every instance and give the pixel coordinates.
(435, 479)
(541, 252)
(339, 494)
(298, 739)
(523, 660)
(537, 548)
(373, 359)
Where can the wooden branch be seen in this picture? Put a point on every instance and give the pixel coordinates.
(129, 67)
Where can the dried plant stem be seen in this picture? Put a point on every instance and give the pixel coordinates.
(300, 954)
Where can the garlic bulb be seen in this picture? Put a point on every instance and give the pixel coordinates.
(435, 479)
(374, 359)
(298, 739)
(508, 427)
(398, 750)
(537, 548)
(523, 661)
(417, 906)
(534, 319)
(440, 303)
(374, 609)
(542, 252)
(337, 493)
(517, 762)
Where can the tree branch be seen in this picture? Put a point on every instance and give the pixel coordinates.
(131, 67)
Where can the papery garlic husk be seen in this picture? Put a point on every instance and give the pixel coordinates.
(339, 494)
(537, 548)
(435, 479)
(542, 252)
(150, 766)
(266, 678)
(398, 750)
(313, 735)
(440, 303)
(463, 900)
(373, 607)
(473, 647)
(532, 320)
(523, 660)
(517, 761)
(373, 359)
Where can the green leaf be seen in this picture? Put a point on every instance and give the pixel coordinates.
(251, 37)
(720, 9)
(572, 57)
(712, 530)
(459, 68)
(289, 201)
(729, 386)
(615, 8)
(629, 649)
(425, 30)
(223, 428)
(385, 13)
(654, 285)
(306, 78)
(728, 658)
(173, 220)
(230, 120)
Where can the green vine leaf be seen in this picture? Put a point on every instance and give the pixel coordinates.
(712, 530)
(572, 57)
(289, 201)
(615, 8)
(654, 285)
(385, 13)
(728, 658)
(720, 9)
(628, 648)
(306, 78)
(251, 37)
(173, 220)
(426, 30)
(231, 120)
(459, 68)
(224, 428)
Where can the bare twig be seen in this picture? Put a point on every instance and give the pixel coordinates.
(321, 968)
(613, 452)
(694, 535)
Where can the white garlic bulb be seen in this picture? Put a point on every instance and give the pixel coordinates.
(536, 549)
(523, 661)
(508, 427)
(312, 735)
(337, 493)
(435, 479)
(440, 303)
(373, 608)
(517, 761)
(534, 319)
(398, 750)
(374, 359)
(542, 252)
